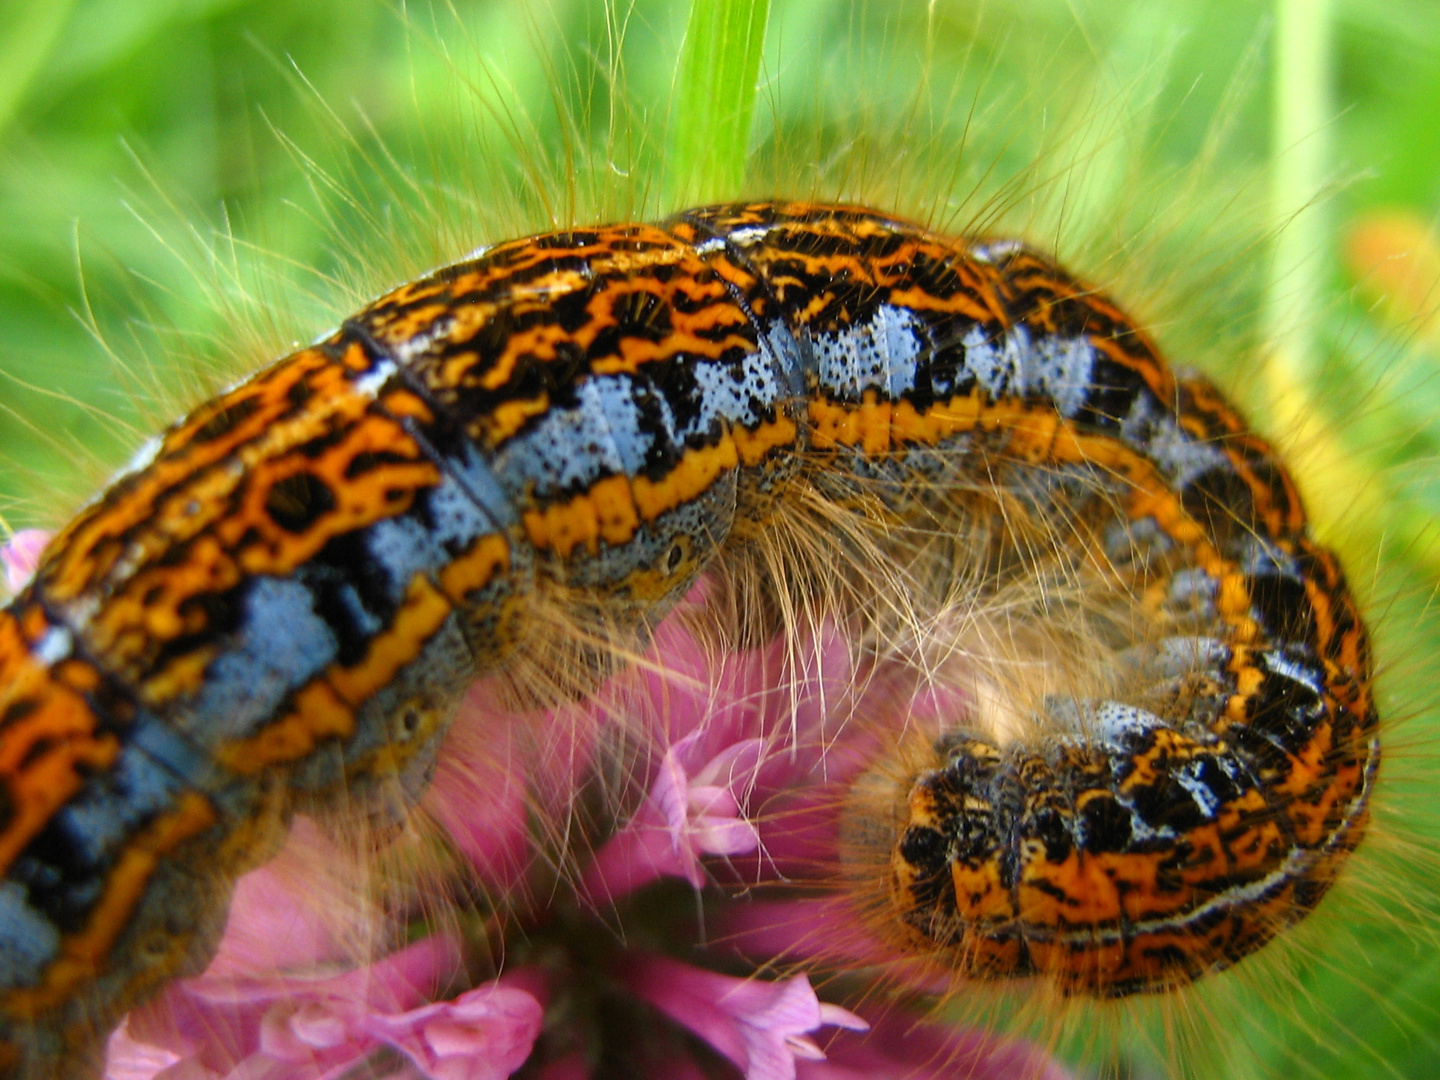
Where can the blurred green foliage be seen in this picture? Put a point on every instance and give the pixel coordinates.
(192, 185)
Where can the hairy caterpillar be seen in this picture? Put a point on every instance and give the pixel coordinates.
(922, 206)
(279, 604)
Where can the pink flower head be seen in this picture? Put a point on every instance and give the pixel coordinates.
(762, 1027)
(630, 893)
(264, 1010)
(21, 555)
(317, 1028)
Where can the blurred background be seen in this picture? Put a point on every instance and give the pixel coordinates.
(189, 187)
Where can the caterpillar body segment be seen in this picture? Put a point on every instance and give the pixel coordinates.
(279, 605)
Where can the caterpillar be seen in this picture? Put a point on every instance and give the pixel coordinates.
(276, 607)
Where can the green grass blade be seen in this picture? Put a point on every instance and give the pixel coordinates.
(715, 98)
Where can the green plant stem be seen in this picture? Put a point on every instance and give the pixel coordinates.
(715, 99)
(1300, 119)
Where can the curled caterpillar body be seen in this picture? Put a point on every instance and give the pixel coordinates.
(277, 607)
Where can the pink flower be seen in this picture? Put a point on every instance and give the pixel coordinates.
(325, 1028)
(763, 1027)
(682, 818)
(21, 555)
(307, 1027)
(484, 1034)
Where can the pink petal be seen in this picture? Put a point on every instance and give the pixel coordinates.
(717, 827)
(20, 555)
(297, 1034)
(677, 823)
(670, 794)
(803, 1048)
(760, 1026)
(277, 921)
(127, 1058)
(733, 767)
